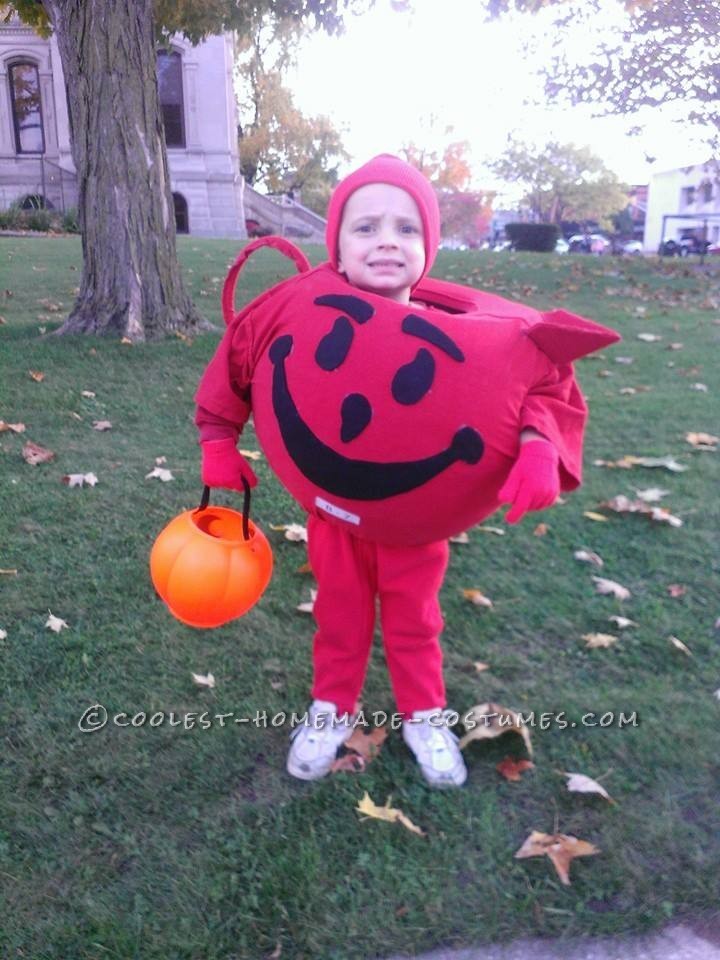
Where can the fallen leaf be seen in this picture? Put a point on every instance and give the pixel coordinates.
(308, 607)
(561, 848)
(579, 783)
(700, 387)
(622, 622)
(160, 474)
(13, 427)
(611, 587)
(679, 645)
(37, 376)
(127, 342)
(367, 808)
(628, 391)
(102, 425)
(597, 517)
(88, 394)
(251, 454)
(623, 504)
(675, 346)
(368, 745)
(8, 573)
(512, 769)
(159, 461)
(480, 666)
(202, 680)
(649, 337)
(489, 720)
(304, 568)
(55, 623)
(3, 634)
(625, 360)
(80, 479)
(498, 531)
(588, 556)
(676, 590)
(477, 597)
(668, 463)
(594, 641)
(293, 531)
(460, 538)
(34, 454)
(540, 530)
(703, 441)
(652, 494)
(275, 955)
(348, 763)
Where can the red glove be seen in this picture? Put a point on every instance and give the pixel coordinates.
(534, 481)
(224, 466)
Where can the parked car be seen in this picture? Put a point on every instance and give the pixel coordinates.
(634, 247)
(562, 246)
(714, 249)
(589, 243)
(683, 247)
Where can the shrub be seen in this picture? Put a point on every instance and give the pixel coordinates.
(12, 218)
(540, 237)
(38, 220)
(69, 222)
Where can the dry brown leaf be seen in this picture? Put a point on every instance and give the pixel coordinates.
(477, 597)
(159, 473)
(102, 425)
(623, 504)
(367, 808)
(622, 622)
(204, 680)
(37, 375)
(3, 634)
(13, 427)
(127, 342)
(34, 454)
(700, 387)
(460, 538)
(251, 454)
(611, 587)
(368, 745)
(8, 573)
(480, 666)
(628, 391)
(579, 783)
(649, 337)
(593, 641)
(597, 517)
(703, 441)
(561, 848)
(588, 556)
(295, 532)
(512, 769)
(88, 394)
(497, 531)
(489, 720)
(80, 479)
(348, 763)
(159, 461)
(679, 645)
(652, 494)
(308, 606)
(676, 590)
(304, 568)
(55, 623)
(540, 530)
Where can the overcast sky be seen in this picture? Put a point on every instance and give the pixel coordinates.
(391, 72)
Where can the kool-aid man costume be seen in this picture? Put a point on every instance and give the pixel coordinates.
(395, 426)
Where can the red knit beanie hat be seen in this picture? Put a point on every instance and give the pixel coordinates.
(386, 168)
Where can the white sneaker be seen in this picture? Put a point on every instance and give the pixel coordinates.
(315, 742)
(435, 748)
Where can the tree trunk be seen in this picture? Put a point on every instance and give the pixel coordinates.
(131, 283)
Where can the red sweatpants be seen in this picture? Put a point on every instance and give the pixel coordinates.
(350, 573)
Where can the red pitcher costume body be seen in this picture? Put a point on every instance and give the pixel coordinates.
(399, 423)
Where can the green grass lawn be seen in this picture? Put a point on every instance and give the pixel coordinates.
(175, 843)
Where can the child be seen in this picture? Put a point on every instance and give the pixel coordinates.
(373, 539)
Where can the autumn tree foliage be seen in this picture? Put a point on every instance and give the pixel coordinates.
(561, 182)
(657, 52)
(131, 284)
(281, 148)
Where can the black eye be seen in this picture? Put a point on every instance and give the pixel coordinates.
(333, 348)
(413, 381)
(356, 413)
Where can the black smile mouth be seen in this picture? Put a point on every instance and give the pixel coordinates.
(343, 476)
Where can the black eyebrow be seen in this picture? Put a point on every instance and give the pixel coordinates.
(417, 327)
(353, 306)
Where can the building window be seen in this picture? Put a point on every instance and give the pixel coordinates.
(688, 196)
(182, 224)
(27, 115)
(170, 88)
(706, 191)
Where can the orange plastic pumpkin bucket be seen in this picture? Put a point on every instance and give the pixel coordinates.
(211, 565)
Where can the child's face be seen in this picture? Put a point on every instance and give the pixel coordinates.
(381, 247)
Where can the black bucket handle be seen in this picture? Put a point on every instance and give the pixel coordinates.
(205, 502)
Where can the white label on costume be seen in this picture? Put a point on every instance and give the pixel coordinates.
(337, 511)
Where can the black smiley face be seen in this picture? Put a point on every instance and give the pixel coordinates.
(326, 467)
(411, 382)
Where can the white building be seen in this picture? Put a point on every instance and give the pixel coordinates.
(198, 105)
(683, 203)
